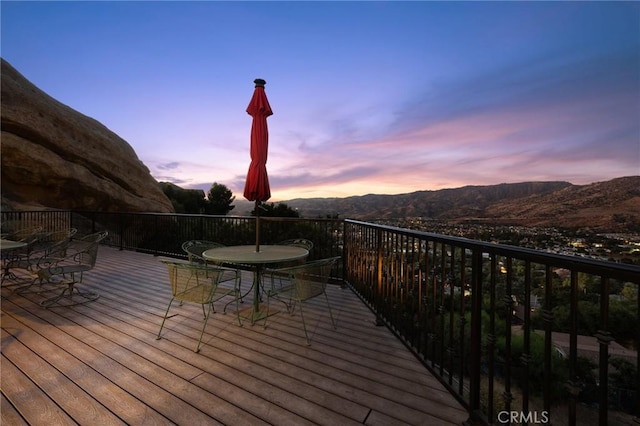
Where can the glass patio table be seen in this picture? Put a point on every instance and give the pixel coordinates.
(247, 255)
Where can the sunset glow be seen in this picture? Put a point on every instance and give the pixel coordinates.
(368, 97)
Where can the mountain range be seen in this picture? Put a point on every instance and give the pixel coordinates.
(612, 206)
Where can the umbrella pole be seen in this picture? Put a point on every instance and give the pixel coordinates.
(257, 210)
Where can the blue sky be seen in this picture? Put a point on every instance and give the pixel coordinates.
(368, 97)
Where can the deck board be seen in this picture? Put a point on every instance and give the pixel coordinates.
(100, 362)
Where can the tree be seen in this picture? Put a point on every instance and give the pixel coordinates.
(184, 200)
(271, 210)
(219, 199)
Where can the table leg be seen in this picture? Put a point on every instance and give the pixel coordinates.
(256, 291)
(255, 314)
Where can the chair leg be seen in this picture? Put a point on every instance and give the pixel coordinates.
(204, 326)
(164, 319)
(239, 280)
(71, 291)
(333, 322)
(238, 296)
(304, 326)
(264, 325)
(26, 287)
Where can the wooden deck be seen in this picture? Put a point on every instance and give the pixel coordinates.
(100, 363)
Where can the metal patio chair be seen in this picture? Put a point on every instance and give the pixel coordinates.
(304, 282)
(197, 283)
(299, 242)
(47, 247)
(68, 271)
(274, 270)
(194, 250)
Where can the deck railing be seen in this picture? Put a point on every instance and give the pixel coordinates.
(489, 320)
(520, 336)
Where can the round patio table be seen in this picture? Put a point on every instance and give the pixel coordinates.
(247, 255)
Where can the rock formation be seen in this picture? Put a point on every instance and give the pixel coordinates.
(55, 157)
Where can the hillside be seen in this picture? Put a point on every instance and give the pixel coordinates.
(608, 206)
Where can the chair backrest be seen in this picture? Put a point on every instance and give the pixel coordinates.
(30, 236)
(95, 237)
(195, 248)
(87, 248)
(192, 282)
(27, 235)
(298, 242)
(55, 243)
(310, 279)
(58, 235)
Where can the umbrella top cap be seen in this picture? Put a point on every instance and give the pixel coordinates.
(259, 82)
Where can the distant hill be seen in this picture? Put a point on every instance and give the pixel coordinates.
(612, 205)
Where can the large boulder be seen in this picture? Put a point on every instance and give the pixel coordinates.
(55, 157)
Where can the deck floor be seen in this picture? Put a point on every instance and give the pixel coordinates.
(100, 362)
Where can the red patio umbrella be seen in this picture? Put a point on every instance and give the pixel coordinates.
(256, 187)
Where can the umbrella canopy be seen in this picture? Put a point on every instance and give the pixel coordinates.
(256, 187)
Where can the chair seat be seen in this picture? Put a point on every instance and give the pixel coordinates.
(63, 270)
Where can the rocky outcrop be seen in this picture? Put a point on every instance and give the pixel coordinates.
(55, 157)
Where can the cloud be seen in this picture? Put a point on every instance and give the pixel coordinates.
(168, 166)
(572, 119)
(171, 179)
(553, 81)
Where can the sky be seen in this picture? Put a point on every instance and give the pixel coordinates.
(383, 97)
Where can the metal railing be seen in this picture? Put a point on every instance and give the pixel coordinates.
(506, 329)
(162, 234)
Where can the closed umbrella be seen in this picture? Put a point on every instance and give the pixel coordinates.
(256, 186)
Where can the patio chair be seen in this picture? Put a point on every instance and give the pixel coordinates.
(69, 270)
(305, 282)
(194, 250)
(298, 242)
(197, 283)
(47, 247)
